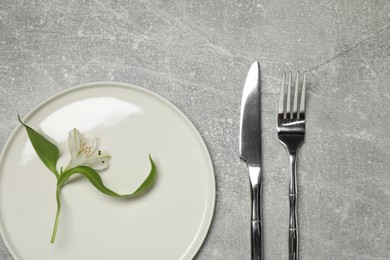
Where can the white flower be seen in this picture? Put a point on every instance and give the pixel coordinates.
(84, 151)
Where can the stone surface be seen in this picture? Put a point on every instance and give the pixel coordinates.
(196, 54)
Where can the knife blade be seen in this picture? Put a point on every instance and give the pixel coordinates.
(250, 150)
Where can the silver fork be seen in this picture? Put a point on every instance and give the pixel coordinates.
(291, 133)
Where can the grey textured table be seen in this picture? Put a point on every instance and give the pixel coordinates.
(196, 54)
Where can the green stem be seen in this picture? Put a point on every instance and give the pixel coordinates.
(53, 237)
(57, 174)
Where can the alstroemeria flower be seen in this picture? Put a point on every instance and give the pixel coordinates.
(84, 151)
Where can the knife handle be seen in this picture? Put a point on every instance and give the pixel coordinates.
(256, 240)
(256, 213)
(293, 244)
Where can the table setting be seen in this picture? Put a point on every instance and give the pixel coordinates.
(194, 130)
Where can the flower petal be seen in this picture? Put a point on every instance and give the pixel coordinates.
(83, 150)
(74, 142)
(88, 145)
(98, 161)
(76, 161)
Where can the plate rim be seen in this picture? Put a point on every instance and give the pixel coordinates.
(208, 216)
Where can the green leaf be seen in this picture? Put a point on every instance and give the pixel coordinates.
(46, 151)
(149, 180)
(96, 180)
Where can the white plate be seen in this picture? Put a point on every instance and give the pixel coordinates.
(168, 222)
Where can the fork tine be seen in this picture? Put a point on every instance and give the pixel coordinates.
(302, 105)
(281, 99)
(288, 104)
(295, 107)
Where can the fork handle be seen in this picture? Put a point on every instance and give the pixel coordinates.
(293, 225)
(293, 229)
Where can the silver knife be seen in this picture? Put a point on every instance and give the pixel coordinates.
(250, 149)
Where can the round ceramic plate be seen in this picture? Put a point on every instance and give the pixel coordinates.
(170, 221)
